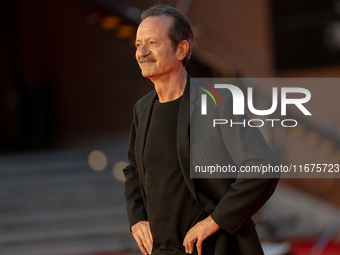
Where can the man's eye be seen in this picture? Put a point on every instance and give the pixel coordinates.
(153, 43)
(137, 46)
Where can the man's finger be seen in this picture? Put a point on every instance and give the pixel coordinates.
(186, 243)
(141, 246)
(149, 233)
(199, 246)
(190, 244)
(146, 240)
(189, 240)
(149, 238)
(146, 244)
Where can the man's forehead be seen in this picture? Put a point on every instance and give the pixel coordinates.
(157, 25)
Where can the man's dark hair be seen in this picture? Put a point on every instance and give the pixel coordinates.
(179, 30)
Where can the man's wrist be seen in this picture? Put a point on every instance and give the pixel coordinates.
(213, 223)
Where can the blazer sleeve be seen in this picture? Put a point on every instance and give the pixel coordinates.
(133, 194)
(246, 195)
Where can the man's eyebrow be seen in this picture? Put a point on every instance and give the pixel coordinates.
(147, 39)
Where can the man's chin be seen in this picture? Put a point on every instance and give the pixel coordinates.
(147, 74)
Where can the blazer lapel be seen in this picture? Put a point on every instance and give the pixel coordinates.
(183, 140)
(142, 132)
(193, 95)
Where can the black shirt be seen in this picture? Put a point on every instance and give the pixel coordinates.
(171, 208)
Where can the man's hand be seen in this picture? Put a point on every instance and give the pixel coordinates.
(199, 232)
(142, 234)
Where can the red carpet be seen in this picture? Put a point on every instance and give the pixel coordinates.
(303, 248)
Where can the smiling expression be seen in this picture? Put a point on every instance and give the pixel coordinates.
(154, 53)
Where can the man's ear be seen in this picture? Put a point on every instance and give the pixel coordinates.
(182, 49)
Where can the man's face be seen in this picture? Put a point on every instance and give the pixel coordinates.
(154, 52)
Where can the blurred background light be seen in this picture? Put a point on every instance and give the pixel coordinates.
(126, 32)
(118, 170)
(94, 18)
(97, 160)
(110, 22)
(133, 13)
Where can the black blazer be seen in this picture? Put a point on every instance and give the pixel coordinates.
(230, 202)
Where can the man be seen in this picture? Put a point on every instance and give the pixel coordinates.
(170, 213)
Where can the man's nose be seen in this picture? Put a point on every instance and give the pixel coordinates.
(143, 51)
